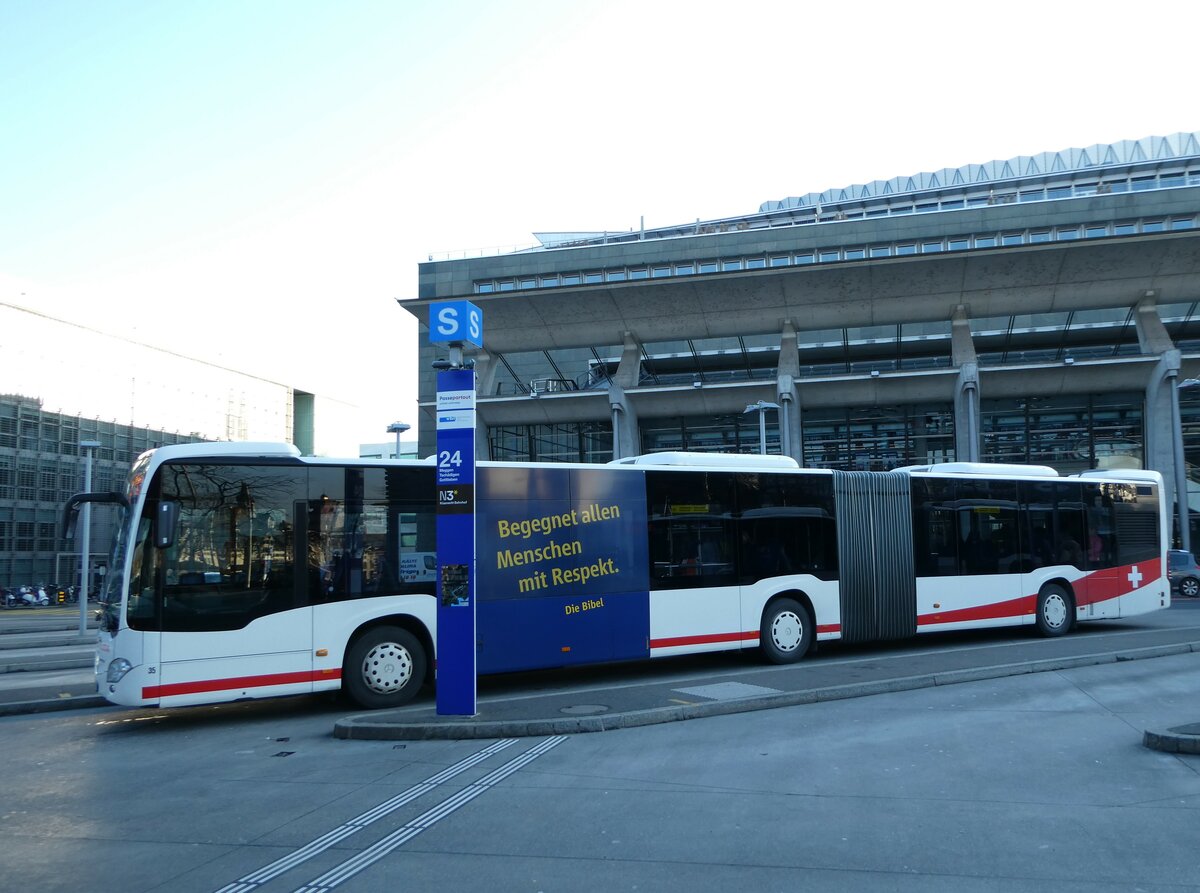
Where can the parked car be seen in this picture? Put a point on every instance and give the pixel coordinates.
(1183, 573)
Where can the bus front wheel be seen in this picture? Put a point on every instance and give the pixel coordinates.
(786, 632)
(1054, 610)
(384, 667)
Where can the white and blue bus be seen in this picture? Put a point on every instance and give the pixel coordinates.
(246, 570)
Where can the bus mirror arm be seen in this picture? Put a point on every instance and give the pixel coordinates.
(71, 509)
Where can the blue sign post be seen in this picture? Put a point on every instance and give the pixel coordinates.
(453, 323)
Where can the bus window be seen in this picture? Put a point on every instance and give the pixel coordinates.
(1100, 550)
(1055, 529)
(692, 536)
(232, 558)
(1135, 510)
(935, 527)
(786, 526)
(987, 527)
(1069, 532)
(371, 531)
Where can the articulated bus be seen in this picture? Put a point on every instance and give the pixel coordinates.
(246, 571)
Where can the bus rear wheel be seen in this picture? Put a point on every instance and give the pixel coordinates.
(786, 632)
(1055, 610)
(385, 667)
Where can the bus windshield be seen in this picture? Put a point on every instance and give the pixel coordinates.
(111, 590)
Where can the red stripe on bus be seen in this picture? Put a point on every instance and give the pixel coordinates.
(676, 641)
(1097, 586)
(751, 636)
(1109, 584)
(1017, 607)
(211, 685)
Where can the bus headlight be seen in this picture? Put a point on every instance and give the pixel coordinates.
(117, 669)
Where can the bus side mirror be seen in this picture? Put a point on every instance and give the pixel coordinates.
(165, 519)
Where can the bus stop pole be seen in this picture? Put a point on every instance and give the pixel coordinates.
(85, 537)
(453, 324)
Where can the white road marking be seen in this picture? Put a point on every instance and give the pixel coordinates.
(255, 879)
(428, 819)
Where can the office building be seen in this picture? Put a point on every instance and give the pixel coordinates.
(67, 384)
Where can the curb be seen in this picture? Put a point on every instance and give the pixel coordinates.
(371, 727)
(1180, 739)
(53, 705)
(43, 664)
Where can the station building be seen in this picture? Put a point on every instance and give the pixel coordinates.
(66, 384)
(1040, 309)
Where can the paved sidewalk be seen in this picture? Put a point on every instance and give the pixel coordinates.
(45, 664)
(593, 709)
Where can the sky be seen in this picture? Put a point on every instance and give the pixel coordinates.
(254, 183)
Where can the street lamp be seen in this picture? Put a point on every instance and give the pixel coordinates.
(1181, 483)
(86, 538)
(761, 408)
(397, 428)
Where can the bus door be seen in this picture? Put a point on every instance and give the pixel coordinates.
(1104, 578)
(232, 609)
(695, 600)
(1055, 539)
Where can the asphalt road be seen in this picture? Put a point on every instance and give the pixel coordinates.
(1035, 782)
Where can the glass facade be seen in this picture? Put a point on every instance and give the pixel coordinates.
(878, 438)
(710, 434)
(1053, 337)
(563, 442)
(553, 371)
(1189, 417)
(1069, 434)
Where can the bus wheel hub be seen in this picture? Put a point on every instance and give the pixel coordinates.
(387, 667)
(785, 630)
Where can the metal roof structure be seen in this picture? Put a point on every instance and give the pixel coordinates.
(1125, 152)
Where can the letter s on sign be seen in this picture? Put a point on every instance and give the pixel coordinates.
(447, 321)
(473, 324)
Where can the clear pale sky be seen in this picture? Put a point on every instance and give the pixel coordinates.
(253, 183)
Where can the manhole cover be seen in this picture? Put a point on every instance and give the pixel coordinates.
(584, 709)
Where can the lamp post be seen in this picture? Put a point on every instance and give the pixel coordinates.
(85, 538)
(397, 428)
(761, 408)
(1181, 484)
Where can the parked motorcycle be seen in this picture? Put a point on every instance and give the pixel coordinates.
(28, 597)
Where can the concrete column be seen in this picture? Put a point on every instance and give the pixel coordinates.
(626, 435)
(485, 373)
(485, 384)
(1153, 337)
(1160, 426)
(966, 414)
(1164, 442)
(966, 391)
(629, 371)
(791, 432)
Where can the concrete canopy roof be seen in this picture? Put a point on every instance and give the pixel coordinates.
(1049, 277)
